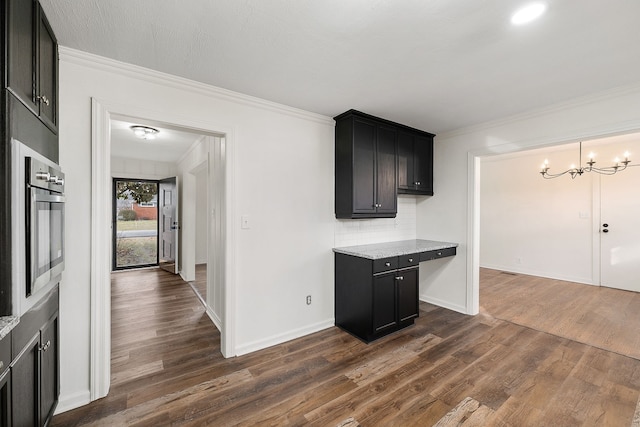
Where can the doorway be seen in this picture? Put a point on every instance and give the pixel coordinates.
(556, 228)
(219, 141)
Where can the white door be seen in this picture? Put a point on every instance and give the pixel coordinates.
(620, 230)
(168, 243)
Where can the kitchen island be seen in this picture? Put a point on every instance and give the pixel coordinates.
(377, 285)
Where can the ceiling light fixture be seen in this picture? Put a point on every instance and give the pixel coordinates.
(528, 13)
(144, 132)
(576, 171)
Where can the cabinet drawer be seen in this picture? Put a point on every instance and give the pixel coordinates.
(385, 264)
(439, 253)
(408, 260)
(5, 353)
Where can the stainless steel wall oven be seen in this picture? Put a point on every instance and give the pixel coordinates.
(44, 224)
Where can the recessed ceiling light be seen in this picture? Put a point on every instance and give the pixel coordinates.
(528, 13)
(144, 132)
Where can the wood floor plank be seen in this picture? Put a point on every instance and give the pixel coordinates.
(526, 360)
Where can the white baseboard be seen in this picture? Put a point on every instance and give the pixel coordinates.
(287, 336)
(545, 274)
(72, 401)
(445, 304)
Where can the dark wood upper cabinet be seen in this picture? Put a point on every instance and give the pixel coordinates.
(415, 163)
(32, 66)
(366, 174)
(375, 160)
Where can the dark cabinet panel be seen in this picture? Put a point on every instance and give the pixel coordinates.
(415, 163)
(384, 302)
(5, 399)
(24, 385)
(49, 386)
(47, 96)
(364, 167)
(386, 173)
(21, 50)
(407, 284)
(365, 162)
(32, 60)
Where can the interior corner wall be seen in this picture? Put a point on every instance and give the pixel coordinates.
(282, 178)
(450, 215)
(122, 167)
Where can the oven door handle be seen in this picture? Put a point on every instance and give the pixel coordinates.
(52, 198)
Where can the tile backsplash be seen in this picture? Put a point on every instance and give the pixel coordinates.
(350, 232)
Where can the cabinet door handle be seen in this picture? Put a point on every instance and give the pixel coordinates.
(43, 99)
(399, 278)
(46, 346)
(417, 183)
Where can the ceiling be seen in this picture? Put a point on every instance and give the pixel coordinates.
(169, 144)
(437, 65)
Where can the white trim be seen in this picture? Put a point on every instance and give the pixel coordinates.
(72, 401)
(545, 274)
(100, 251)
(89, 60)
(214, 318)
(442, 303)
(102, 112)
(284, 337)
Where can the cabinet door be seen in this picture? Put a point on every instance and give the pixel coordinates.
(407, 294)
(384, 301)
(364, 167)
(5, 399)
(49, 386)
(405, 161)
(24, 385)
(386, 172)
(423, 164)
(21, 50)
(47, 73)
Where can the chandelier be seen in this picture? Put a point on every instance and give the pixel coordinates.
(576, 171)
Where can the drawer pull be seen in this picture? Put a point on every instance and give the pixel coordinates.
(388, 264)
(410, 259)
(439, 253)
(399, 278)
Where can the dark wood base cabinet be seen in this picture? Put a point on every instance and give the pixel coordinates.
(375, 297)
(32, 394)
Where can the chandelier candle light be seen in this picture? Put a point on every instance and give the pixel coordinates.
(575, 171)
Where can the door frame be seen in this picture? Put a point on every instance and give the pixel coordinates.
(114, 210)
(100, 282)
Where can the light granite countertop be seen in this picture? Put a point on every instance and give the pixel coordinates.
(7, 323)
(389, 249)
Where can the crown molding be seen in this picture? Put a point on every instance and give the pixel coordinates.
(101, 63)
(544, 111)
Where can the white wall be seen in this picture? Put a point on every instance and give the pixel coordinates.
(283, 179)
(144, 169)
(449, 215)
(351, 232)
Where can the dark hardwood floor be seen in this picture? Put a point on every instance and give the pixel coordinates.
(167, 370)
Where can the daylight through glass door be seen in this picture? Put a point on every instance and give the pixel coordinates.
(135, 223)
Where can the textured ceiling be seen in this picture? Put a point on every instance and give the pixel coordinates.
(437, 65)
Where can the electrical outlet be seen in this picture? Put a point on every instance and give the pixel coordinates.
(308, 299)
(244, 222)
